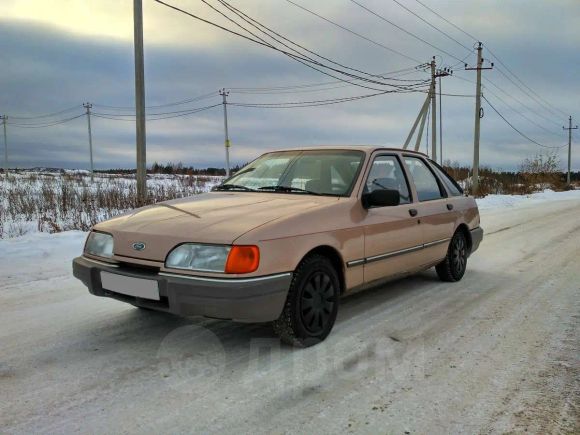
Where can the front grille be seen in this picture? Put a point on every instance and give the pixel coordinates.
(139, 268)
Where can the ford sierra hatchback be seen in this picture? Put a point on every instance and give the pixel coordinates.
(285, 237)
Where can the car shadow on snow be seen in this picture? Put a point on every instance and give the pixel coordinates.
(153, 327)
(119, 343)
(152, 340)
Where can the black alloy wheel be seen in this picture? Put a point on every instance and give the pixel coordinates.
(312, 303)
(317, 302)
(453, 267)
(459, 255)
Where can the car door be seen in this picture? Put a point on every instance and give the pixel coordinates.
(392, 235)
(434, 209)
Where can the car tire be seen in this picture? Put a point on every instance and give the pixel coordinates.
(311, 305)
(453, 267)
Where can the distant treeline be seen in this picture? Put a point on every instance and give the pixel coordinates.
(536, 173)
(174, 168)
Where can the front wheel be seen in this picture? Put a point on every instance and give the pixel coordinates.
(452, 268)
(312, 303)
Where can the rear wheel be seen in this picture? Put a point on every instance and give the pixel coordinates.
(312, 303)
(452, 268)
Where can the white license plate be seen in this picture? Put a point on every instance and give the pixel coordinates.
(126, 285)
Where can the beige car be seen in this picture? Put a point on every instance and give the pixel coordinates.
(285, 237)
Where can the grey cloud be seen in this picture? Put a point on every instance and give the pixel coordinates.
(44, 70)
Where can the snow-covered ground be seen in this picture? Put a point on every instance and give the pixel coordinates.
(37, 201)
(497, 352)
(498, 201)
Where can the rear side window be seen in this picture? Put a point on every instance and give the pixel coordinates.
(451, 185)
(386, 173)
(426, 184)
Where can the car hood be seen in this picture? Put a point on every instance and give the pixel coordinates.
(217, 217)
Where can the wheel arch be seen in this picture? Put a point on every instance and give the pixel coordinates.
(335, 258)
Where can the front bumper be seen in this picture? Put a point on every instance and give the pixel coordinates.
(258, 299)
(476, 238)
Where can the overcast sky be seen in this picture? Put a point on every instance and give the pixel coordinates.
(56, 54)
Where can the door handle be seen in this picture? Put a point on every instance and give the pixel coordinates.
(413, 212)
(449, 206)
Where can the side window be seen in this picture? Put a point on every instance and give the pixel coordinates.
(386, 173)
(425, 182)
(449, 182)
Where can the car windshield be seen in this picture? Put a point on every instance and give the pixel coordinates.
(314, 172)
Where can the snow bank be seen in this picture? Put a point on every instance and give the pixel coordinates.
(38, 256)
(499, 201)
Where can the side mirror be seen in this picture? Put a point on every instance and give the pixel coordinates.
(381, 198)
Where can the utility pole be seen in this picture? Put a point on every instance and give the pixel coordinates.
(569, 128)
(478, 116)
(140, 102)
(4, 118)
(433, 113)
(440, 125)
(438, 74)
(88, 106)
(225, 94)
(420, 117)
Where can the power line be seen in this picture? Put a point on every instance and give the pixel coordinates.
(521, 114)
(158, 106)
(176, 115)
(501, 63)
(304, 88)
(447, 21)
(260, 28)
(150, 114)
(462, 62)
(432, 26)
(381, 17)
(302, 59)
(311, 103)
(47, 115)
(519, 80)
(518, 131)
(463, 79)
(62, 121)
(268, 32)
(521, 102)
(527, 93)
(392, 50)
(309, 85)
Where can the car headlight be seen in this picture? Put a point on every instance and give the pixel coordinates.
(99, 244)
(214, 258)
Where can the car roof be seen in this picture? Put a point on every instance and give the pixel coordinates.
(366, 148)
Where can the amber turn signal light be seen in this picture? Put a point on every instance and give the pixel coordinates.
(243, 259)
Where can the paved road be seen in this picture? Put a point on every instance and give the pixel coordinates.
(497, 352)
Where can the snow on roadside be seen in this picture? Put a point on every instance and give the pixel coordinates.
(38, 256)
(499, 201)
(37, 249)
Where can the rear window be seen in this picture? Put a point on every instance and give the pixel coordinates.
(451, 185)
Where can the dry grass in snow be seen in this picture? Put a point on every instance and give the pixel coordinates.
(32, 201)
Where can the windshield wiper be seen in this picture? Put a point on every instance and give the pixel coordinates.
(233, 187)
(280, 188)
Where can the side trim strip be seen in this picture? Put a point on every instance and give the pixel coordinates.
(226, 280)
(393, 254)
(379, 257)
(102, 263)
(355, 262)
(436, 242)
